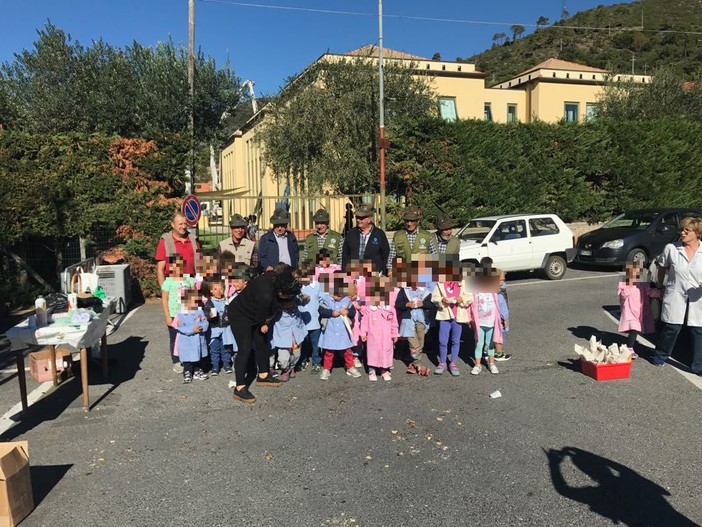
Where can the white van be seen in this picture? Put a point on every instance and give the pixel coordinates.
(519, 242)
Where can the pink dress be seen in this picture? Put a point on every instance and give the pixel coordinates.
(379, 327)
(635, 302)
(361, 299)
(318, 270)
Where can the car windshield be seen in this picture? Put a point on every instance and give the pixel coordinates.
(476, 230)
(631, 220)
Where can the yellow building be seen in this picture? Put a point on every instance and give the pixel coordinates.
(552, 91)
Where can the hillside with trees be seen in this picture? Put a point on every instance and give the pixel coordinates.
(667, 39)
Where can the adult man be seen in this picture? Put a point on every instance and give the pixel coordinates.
(322, 238)
(239, 245)
(446, 242)
(176, 242)
(411, 240)
(366, 241)
(278, 244)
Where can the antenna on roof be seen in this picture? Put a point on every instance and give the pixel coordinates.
(564, 10)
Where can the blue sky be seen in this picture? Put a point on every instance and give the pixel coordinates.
(267, 45)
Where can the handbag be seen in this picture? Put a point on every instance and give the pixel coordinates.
(89, 281)
(76, 285)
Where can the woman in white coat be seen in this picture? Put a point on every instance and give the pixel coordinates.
(682, 292)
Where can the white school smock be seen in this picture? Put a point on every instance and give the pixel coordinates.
(682, 285)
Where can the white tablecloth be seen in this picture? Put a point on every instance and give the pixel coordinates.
(75, 337)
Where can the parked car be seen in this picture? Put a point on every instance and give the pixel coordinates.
(637, 235)
(519, 242)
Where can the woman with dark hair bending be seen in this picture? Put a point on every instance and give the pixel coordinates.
(249, 315)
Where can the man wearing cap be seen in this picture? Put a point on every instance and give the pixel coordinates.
(411, 240)
(446, 242)
(322, 238)
(366, 241)
(278, 244)
(239, 245)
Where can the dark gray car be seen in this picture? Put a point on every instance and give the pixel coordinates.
(637, 235)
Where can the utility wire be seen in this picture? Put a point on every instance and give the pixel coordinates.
(451, 20)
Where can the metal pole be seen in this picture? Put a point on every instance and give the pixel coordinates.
(381, 95)
(191, 83)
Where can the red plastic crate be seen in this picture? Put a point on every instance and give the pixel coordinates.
(606, 372)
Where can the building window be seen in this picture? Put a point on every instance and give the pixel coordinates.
(447, 108)
(487, 112)
(572, 110)
(512, 113)
(591, 109)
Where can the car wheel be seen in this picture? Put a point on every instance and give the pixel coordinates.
(555, 267)
(639, 257)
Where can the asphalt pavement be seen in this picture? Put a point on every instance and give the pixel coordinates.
(557, 449)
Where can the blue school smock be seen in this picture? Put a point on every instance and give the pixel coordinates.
(286, 327)
(335, 336)
(310, 309)
(191, 346)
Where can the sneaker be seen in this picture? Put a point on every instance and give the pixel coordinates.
(386, 376)
(476, 369)
(324, 376)
(502, 356)
(353, 372)
(178, 367)
(357, 363)
(228, 371)
(285, 376)
(187, 377)
(316, 368)
(244, 395)
(270, 381)
(200, 375)
(441, 368)
(372, 376)
(453, 369)
(214, 373)
(493, 368)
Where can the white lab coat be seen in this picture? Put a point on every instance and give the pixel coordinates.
(682, 285)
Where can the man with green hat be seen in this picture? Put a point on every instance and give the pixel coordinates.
(322, 238)
(278, 244)
(366, 241)
(239, 245)
(446, 242)
(411, 240)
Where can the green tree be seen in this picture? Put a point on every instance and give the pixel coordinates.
(321, 131)
(517, 31)
(542, 22)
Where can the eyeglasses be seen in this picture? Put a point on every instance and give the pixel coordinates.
(685, 230)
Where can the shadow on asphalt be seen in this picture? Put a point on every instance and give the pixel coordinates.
(125, 362)
(45, 478)
(618, 492)
(606, 337)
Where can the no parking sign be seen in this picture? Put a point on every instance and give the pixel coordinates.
(191, 209)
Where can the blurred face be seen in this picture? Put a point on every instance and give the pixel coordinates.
(176, 269)
(179, 226)
(321, 228)
(192, 302)
(280, 230)
(238, 233)
(217, 290)
(411, 225)
(363, 223)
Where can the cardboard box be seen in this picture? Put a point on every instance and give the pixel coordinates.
(16, 500)
(39, 363)
(606, 372)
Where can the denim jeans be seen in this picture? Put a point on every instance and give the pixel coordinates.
(311, 346)
(666, 342)
(219, 353)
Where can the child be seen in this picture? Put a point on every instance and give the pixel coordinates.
(216, 308)
(191, 346)
(172, 291)
(635, 301)
(415, 309)
(451, 302)
(311, 293)
(337, 310)
(286, 337)
(379, 330)
(486, 320)
(500, 355)
(324, 263)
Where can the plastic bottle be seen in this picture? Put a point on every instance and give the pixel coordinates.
(40, 311)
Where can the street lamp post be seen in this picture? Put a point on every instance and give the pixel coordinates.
(381, 94)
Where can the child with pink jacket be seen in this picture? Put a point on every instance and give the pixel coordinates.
(635, 302)
(486, 320)
(379, 330)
